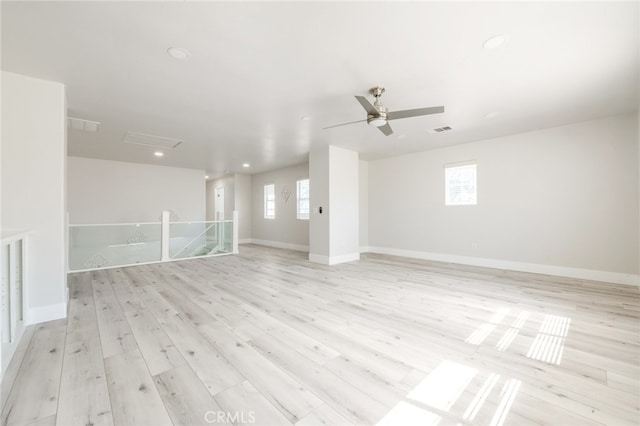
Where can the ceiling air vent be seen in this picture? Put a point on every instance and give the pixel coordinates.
(83, 125)
(441, 129)
(150, 140)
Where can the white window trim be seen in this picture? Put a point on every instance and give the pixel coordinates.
(264, 201)
(447, 200)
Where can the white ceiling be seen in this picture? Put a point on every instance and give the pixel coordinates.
(257, 68)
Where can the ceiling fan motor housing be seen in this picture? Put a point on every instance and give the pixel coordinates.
(379, 119)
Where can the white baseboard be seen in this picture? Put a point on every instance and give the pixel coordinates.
(318, 258)
(344, 258)
(40, 314)
(561, 271)
(244, 241)
(279, 244)
(333, 260)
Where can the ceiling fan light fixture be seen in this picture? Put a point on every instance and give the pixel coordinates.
(377, 121)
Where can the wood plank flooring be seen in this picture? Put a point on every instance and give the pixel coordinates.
(267, 338)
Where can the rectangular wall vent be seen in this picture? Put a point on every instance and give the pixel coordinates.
(150, 140)
(83, 125)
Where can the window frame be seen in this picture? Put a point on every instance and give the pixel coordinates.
(448, 184)
(299, 216)
(266, 200)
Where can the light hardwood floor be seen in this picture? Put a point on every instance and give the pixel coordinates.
(266, 337)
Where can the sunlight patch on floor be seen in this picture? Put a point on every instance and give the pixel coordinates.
(482, 332)
(440, 390)
(407, 414)
(481, 397)
(442, 387)
(549, 343)
(513, 331)
(508, 394)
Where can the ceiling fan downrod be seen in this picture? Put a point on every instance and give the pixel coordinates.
(377, 93)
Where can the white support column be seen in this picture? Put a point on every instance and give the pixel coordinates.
(26, 284)
(13, 297)
(164, 243)
(334, 220)
(236, 218)
(5, 301)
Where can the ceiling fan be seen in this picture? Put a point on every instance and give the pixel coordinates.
(379, 116)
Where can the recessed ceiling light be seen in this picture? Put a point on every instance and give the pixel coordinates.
(495, 41)
(492, 114)
(305, 118)
(206, 177)
(158, 153)
(178, 52)
(402, 136)
(245, 165)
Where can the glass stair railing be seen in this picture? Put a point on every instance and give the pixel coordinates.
(124, 244)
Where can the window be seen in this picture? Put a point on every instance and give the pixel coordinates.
(302, 209)
(460, 185)
(270, 201)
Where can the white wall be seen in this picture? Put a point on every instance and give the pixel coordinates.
(562, 200)
(285, 230)
(363, 193)
(102, 191)
(33, 185)
(344, 205)
(242, 203)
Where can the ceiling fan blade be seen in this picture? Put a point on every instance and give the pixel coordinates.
(367, 105)
(344, 124)
(414, 112)
(386, 129)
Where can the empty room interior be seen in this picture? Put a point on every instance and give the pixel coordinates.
(320, 213)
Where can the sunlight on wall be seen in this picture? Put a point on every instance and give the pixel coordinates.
(549, 343)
